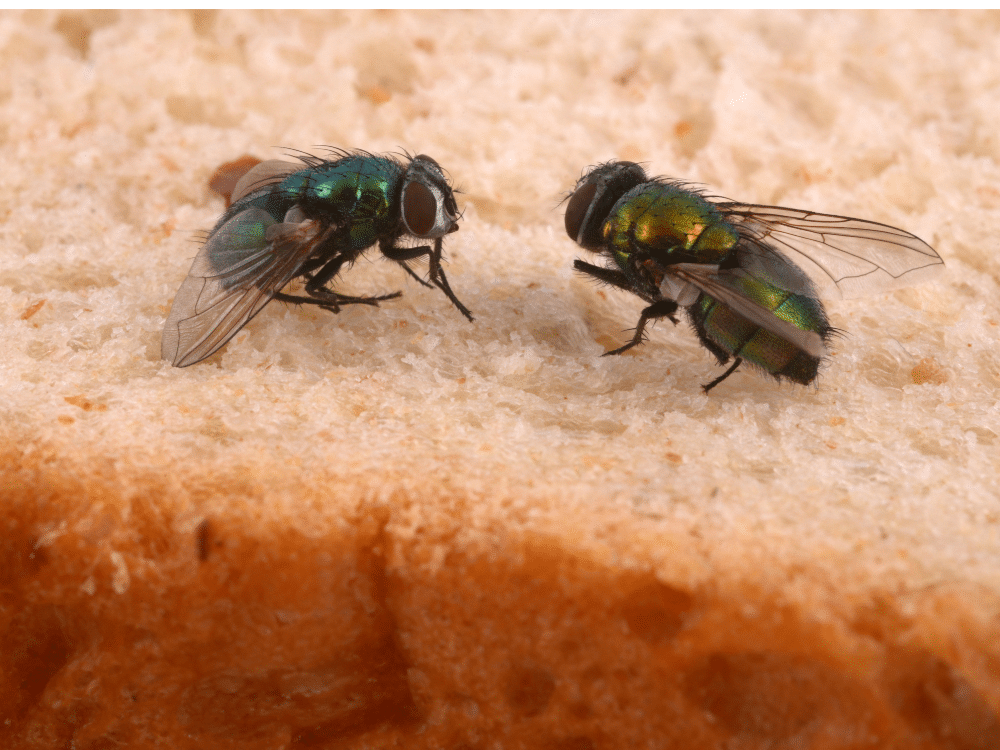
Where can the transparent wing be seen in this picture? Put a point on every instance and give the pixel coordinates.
(839, 257)
(239, 269)
(722, 285)
(266, 173)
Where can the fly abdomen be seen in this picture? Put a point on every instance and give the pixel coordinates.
(727, 334)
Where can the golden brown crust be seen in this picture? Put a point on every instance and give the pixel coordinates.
(138, 615)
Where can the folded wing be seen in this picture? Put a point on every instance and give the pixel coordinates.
(724, 285)
(244, 263)
(839, 257)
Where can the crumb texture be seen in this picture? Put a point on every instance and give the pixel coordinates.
(392, 528)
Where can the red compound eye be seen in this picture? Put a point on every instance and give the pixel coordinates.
(419, 209)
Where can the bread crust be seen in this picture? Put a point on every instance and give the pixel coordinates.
(174, 614)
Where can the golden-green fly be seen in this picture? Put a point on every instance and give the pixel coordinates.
(750, 278)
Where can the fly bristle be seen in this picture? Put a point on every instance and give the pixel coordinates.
(333, 154)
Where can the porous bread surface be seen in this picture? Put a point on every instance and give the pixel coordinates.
(393, 528)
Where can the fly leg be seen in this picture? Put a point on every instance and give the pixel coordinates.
(709, 386)
(333, 301)
(665, 308)
(415, 276)
(329, 300)
(607, 275)
(436, 272)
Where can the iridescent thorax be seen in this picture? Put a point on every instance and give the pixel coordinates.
(665, 219)
(361, 189)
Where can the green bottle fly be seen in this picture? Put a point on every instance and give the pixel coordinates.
(308, 220)
(749, 277)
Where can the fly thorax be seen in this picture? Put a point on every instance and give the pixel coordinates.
(617, 241)
(622, 258)
(712, 243)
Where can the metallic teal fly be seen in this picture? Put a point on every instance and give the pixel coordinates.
(750, 277)
(310, 220)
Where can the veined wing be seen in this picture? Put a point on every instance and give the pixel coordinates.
(239, 269)
(842, 257)
(722, 285)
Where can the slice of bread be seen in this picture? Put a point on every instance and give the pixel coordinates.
(394, 528)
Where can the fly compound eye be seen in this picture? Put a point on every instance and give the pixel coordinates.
(594, 199)
(428, 206)
(576, 211)
(420, 211)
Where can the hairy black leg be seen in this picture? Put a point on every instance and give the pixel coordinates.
(436, 273)
(709, 386)
(415, 275)
(665, 308)
(332, 301)
(318, 280)
(607, 275)
(402, 254)
(327, 299)
(438, 277)
(311, 265)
